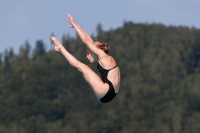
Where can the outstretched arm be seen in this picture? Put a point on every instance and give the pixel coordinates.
(84, 36)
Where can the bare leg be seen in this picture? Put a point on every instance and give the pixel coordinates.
(100, 88)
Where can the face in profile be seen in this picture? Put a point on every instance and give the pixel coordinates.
(91, 56)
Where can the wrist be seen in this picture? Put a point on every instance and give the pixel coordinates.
(73, 23)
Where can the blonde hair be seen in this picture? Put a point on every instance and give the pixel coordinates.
(102, 45)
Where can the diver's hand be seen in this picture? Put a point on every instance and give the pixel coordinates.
(70, 20)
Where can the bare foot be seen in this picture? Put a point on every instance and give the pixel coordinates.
(58, 45)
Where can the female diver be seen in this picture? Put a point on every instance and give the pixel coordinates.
(105, 88)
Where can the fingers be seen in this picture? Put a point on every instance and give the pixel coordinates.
(70, 20)
(52, 38)
(55, 40)
(69, 17)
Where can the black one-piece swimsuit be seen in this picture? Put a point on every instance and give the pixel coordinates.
(111, 92)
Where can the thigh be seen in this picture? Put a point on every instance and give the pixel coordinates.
(99, 87)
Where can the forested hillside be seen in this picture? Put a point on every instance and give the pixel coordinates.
(160, 88)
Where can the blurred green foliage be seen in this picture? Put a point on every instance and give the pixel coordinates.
(160, 89)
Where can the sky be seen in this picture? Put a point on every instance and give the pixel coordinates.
(24, 20)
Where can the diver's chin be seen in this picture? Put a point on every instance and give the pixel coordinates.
(91, 61)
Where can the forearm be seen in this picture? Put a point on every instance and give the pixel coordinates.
(87, 36)
(83, 35)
